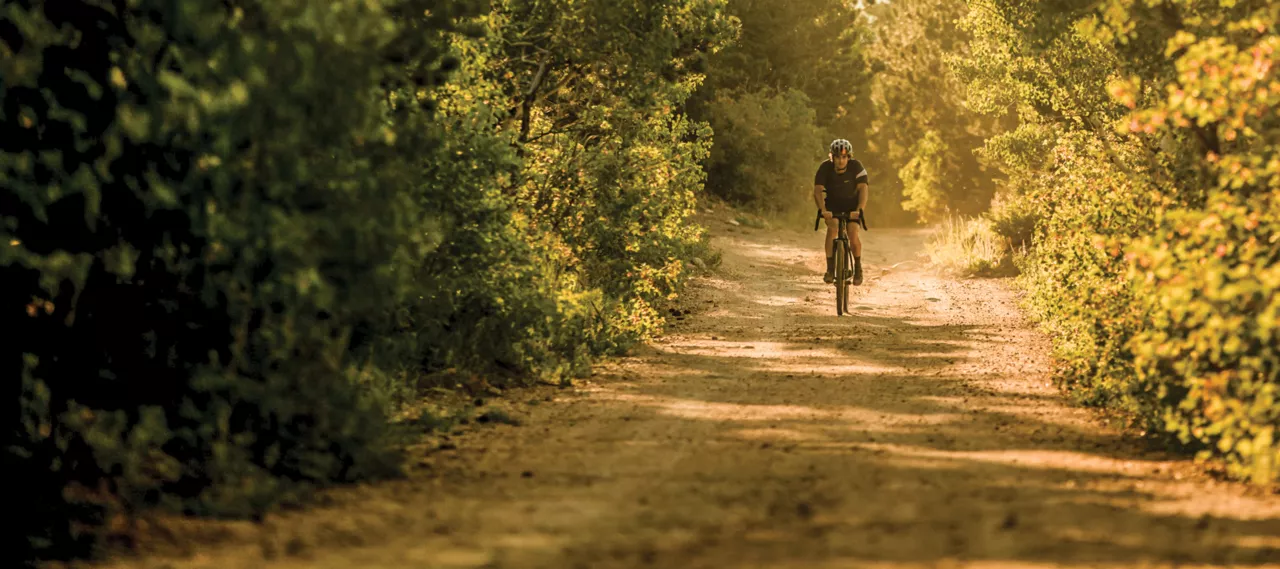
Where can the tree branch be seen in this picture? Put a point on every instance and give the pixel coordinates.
(526, 106)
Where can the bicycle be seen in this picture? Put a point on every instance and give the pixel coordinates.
(844, 256)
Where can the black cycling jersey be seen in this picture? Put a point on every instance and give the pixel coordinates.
(841, 189)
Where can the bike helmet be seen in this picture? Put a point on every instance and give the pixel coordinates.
(839, 145)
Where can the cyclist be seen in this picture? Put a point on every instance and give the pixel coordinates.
(843, 180)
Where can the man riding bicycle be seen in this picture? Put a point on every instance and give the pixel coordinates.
(844, 183)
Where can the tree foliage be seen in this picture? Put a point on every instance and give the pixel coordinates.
(1146, 148)
(233, 233)
(923, 131)
(795, 79)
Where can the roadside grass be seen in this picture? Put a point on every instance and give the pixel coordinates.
(970, 246)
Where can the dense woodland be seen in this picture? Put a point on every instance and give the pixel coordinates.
(237, 236)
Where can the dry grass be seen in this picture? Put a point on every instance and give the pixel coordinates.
(970, 246)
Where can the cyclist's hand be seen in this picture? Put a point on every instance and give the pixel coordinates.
(855, 215)
(827, 215)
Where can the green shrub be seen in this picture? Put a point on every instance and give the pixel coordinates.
(1014, 219)
(235, 236)
(1156, 207)
(1210, 358)
(1208, 361)
(1076, 273)
(767, 149)
(197, 227)
(482, 298)
(925, 179)
(611, 166)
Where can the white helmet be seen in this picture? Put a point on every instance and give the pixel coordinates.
(840, 144)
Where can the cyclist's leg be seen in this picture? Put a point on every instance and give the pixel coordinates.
(855, 240)
(833, 228)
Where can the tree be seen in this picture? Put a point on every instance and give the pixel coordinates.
(1145, 146)
(794, 80)
(923, 129)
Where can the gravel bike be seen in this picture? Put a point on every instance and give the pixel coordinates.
(843, 251)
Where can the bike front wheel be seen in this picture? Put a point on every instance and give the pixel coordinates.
(842, 285)
(847, 277)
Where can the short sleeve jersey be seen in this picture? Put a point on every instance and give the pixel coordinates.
(841, 189)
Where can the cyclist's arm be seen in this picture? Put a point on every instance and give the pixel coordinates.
(820, 188)
(862, 184)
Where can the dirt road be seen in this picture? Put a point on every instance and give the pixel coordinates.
(765, 432)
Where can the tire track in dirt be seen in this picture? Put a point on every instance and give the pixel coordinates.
(762, 431)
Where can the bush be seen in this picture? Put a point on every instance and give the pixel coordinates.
(767, 149)
(1208, 361)
(234, 235)
(191, 247)
(924, 178)
(1014, 219)
(1076, 273)
(1154, 259)
(482, 297)
(611, 166)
